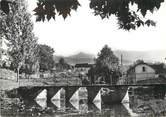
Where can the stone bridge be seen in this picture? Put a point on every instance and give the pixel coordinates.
(79, 95)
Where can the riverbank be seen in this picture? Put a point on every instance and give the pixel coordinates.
(154, 107)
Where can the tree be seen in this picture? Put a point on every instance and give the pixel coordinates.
(17, 28)
(159, 68)
(62, 64)
(126, 16)
(139, 61)
(62, 61)
(5, 6)
(45, 55)
(107, 58)
(31, 63)
(106, 66)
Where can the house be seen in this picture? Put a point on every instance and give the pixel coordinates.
(83, 67)
(62, 67)
(140, 71)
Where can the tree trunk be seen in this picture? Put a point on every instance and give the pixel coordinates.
(18, 69)
(28, 77)
(111, 80)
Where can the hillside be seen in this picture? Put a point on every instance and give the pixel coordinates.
(148, 56)
(128, 56)
(77, 58)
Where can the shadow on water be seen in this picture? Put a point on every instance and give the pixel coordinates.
(142, 101)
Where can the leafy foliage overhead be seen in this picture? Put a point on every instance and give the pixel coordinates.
(127, 18)
(46, 8)
(5, 6)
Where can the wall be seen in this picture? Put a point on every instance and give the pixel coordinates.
(149, 72)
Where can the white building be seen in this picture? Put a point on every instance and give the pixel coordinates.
(140, 71)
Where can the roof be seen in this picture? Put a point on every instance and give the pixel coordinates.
(86, 65)
(141, 63)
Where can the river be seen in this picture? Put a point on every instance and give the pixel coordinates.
(139, 102)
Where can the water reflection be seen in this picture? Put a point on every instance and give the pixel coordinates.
(117, 110)
(79, 99)
(126, 97)
(129, 110)
(59, 99)
(97, 100)
(41, 99)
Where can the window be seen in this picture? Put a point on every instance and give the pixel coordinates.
(143, 69)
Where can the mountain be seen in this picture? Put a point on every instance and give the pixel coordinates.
(81, 58)
(148, 56)
(128, 57)
(77, 58)
(82, 55)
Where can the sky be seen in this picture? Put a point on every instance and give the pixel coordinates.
(84, 32)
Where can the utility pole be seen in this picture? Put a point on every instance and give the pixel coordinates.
(121, 60)
(123, 80)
